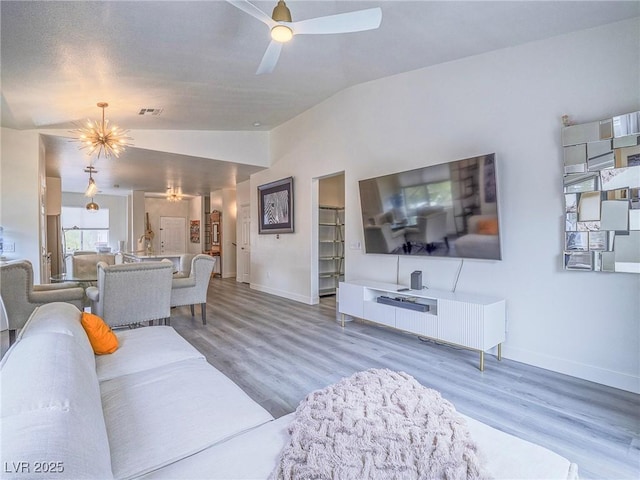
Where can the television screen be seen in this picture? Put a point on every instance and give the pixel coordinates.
(444, 210)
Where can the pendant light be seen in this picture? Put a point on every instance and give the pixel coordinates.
(92, 206)
(92, 188)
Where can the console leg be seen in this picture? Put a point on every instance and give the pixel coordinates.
(342, 319)
(481, 361)
(499, 351)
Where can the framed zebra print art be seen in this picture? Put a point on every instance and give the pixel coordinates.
(275, 207)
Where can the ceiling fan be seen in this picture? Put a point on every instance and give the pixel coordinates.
(283, 28)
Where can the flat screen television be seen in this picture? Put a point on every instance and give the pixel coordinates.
(444, 210)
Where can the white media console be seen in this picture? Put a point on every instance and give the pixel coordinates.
(476, 322)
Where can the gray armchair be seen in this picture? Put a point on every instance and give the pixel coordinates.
(21, 296)
(193, 289)
(132, 293)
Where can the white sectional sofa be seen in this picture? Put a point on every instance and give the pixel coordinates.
(156, 409)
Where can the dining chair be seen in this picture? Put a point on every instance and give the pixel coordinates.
(193, 289)
(132, 293)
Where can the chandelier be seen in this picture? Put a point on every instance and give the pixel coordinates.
(99, 137)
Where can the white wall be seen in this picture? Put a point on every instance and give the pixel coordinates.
(20, 196)
(246, 147)
(508, 102)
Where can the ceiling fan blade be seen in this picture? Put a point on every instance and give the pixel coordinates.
(270, 58)
(254, 11)
(357, 21)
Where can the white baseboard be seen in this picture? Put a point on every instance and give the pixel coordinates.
(282, 293)
(611, 378)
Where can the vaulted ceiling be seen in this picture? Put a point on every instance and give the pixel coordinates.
(196, 61)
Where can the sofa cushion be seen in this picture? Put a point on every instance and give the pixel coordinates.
(510, 457)
(51, 409)
(156, 417)
(144, 349)
(102, 339)
(58, 317)
(250, 455)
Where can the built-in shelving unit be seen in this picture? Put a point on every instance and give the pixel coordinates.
(215, 247)
(464, 176)
(330, 249)
(475, 322)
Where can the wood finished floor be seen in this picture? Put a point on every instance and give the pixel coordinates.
(279, 350)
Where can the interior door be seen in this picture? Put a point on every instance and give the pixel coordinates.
(244, 257)
(173, 235)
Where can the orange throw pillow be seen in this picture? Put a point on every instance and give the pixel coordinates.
(102, 339)
(488, 226)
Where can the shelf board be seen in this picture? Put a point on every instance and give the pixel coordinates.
(330, 275)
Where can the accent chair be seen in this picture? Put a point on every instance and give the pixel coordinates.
(21, 296)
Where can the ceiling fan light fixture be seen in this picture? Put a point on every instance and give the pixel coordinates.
(281, 33)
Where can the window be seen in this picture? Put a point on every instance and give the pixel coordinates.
(428, 195)
(84, 230)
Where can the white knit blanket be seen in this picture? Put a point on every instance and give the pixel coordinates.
(378, 424)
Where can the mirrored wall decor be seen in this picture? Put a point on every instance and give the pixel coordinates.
(602, 195)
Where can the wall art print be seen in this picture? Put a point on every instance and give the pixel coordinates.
(194, 231)
(275, 207)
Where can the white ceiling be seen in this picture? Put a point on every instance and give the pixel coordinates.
(197, 61)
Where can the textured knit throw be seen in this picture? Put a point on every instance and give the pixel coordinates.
(378, 424)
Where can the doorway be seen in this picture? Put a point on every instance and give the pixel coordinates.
(244, 242)
(173, 235)
(330, 258)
